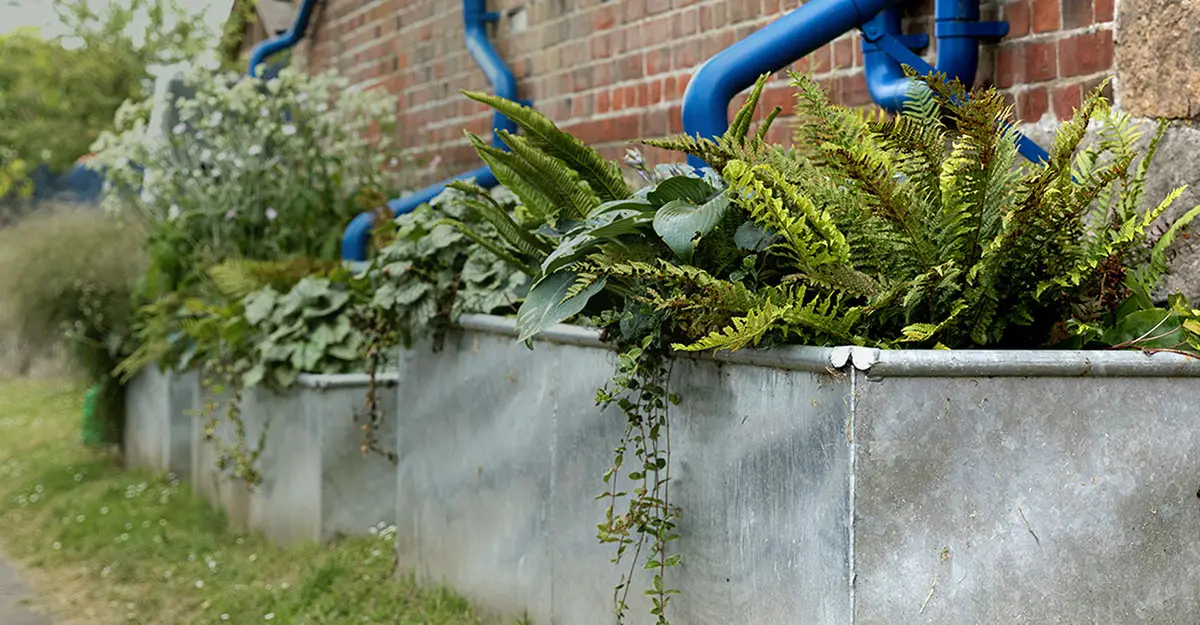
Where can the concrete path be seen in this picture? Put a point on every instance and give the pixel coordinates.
(12, 591)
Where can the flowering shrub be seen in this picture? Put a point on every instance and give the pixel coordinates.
(251, 169)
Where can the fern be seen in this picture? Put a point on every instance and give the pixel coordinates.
(602, 176)
(491, 246)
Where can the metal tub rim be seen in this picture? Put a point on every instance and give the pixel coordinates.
(880, 363)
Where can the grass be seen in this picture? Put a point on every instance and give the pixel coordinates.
(103, 545)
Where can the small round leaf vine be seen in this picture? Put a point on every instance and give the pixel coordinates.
(639, 519)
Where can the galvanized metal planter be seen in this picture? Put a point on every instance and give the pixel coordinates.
(316, 482)
(158, 417)
(842, 485)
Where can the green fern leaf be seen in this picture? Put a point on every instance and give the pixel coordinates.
(602, 176)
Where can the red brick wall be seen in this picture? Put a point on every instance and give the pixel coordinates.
(615, 70)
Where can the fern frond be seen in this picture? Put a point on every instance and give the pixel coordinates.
(492, 247)
(556, 177)
(581, 284)
(532, 197)
(742, 331)
(811, 238)
(740, 127)
(765, 126)
(604, 177)
(516, 236)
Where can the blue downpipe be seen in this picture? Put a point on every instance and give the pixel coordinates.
(886, 82)
(290, 38)
(357, 237)
(770, 49)
(958, 30)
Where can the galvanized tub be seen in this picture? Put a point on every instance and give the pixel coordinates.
(159, 410)
(842, 485)
(316, 482)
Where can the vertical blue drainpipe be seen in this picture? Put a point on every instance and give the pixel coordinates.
(504, 84)
(291, 37)
(770, 49)
(958, 31)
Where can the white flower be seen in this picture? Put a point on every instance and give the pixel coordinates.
(254, 150)
(288, 130)
(264, 112)
(272, 214)
(224, 617)
(269, 616)
(199, 583)
(231, 213)
(216, 119)
(206, 155)
(173, 212)
(179, 128)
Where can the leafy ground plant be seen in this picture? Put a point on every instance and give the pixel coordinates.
(105, 546)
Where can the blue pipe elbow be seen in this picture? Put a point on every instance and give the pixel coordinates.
(886, 82)
(262, 51)
(504, 84)
(357, 237)
(791, 37)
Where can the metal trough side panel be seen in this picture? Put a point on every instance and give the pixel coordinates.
(502, 449)
(1014, 499)
(158, 417)
(357, 490)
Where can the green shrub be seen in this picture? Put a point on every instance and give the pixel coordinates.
(69, 278)
(262, 170)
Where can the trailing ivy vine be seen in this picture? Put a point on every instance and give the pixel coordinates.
(644, 527)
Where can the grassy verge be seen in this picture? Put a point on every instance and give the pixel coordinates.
(104, 545)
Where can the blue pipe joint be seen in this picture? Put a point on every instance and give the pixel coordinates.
(264, 50)
(357, 238)
(959, 33)
(795, 35)
(886, 82)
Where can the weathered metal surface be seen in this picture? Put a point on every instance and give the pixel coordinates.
(1027, 500)
(158, 417)
(316, 482)
(502, 450)
(843, 485)
(953, 462)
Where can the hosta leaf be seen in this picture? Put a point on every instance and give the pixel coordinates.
(330, 304)
(323, 336)
(681, 224)
(751, 237)
(547, 303)
(636, 204)
(687, 188)
(258, 306)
